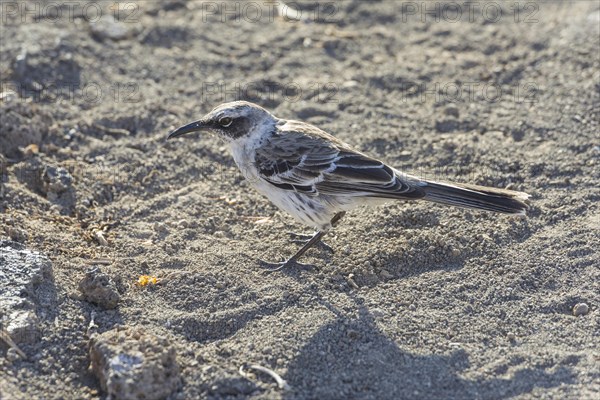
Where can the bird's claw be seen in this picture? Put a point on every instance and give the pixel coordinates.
(278, 266)
(273, 267)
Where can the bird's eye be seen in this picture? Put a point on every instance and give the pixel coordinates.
(225, 122)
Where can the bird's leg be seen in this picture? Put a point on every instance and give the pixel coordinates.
(336, 218)
(294, 259)
(314, 239)
(301, 238)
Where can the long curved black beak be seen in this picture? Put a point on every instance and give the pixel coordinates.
(192, 127)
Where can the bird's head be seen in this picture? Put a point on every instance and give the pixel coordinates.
(231, 121)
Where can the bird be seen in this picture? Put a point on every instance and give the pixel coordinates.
(317, 178)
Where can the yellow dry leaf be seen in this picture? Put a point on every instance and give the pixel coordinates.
(31, 149)
(145, 280)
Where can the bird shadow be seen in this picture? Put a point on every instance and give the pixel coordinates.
(351, 357)
(393, 261)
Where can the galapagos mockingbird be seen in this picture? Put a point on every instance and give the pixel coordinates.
(316, 177)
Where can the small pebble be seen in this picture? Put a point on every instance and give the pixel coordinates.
(352, 334)
(99, 236)
(452, 111)
(30, 150)
(12, 355)
(511, 336)
(8, 95)
(580, 309)
(350, 279)
(131, 363)
(385, 274)
(98, 288)
(377, 312)
(160, 227)
(17, 234)
(107, 27)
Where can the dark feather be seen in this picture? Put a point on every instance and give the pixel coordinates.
(478, 197)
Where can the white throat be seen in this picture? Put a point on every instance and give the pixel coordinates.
(244, 148)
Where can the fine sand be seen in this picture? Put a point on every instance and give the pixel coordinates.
(417, 301)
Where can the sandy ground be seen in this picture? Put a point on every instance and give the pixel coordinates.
(418, 301)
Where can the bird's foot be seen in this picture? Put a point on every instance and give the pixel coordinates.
(278, 266)
(301, 238)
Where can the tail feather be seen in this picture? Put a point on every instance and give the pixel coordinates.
(478, 197)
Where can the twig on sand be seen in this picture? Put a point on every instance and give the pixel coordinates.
(99, 261)
(6, 337)
(281, 383)
(111, 131)
(99, 236)
(351, 282)
(92, 326)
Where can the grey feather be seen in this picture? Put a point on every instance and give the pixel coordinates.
(301, 157)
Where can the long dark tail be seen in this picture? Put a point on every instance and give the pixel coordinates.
(478, 197)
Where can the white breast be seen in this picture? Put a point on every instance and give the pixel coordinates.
(314, 211)
(307, 210)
